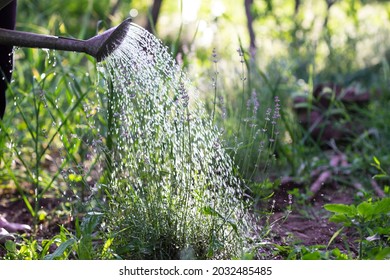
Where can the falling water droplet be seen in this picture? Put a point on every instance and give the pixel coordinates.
(166, 141)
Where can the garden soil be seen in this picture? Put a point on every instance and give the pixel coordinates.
(305, 225)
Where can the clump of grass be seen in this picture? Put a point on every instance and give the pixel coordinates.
(172, 192)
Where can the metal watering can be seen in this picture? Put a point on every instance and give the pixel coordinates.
(99, 46)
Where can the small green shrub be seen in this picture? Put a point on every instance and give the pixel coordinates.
(371, 219)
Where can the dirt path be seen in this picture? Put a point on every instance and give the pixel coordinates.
(308, 223)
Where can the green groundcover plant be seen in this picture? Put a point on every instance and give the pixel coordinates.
(371, 220)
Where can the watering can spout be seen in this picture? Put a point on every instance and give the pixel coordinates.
(99, 47)
(104, 44)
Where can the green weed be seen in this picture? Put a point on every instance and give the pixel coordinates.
(371, 220)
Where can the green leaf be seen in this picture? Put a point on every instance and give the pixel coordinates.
(46, 248)
(10, 246)
(383, 254)
(75, 177)
(377, 162)
(42, 215)
(365, 210)
(383, 230)
(232, 223)
(348, 210)
(209, 211)
(334, 236)
(312, 256)
(340, 218)
(90, 223)
(339, 255)
(61, 249)
(380, 176)
(107, 245)
(382, 206)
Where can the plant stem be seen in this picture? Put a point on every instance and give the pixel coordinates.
(215, 87)
(37, 161)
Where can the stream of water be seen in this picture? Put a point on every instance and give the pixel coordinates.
(167, 157)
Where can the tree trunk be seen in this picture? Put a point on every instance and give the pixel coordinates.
(297, 5)
(248, 10)
(329, 4)
(154, 12)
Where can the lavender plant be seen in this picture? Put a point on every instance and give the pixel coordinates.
(249, 123)
(172, 192)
